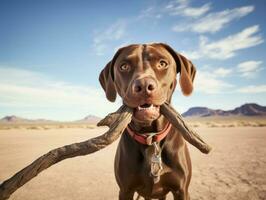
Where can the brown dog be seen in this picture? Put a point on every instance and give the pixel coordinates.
(152, 158)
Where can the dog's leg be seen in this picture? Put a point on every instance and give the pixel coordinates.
(181, 195)
(126, 195)
(163, 198)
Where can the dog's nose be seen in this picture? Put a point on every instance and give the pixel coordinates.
(144, 85)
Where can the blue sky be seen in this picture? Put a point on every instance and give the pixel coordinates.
(51, 52)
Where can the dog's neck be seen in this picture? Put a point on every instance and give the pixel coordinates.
(154, 126)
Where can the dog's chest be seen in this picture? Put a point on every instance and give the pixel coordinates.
(168, 181)
(133, 167)
(168, 177)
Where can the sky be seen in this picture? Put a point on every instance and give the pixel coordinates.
(51, 52)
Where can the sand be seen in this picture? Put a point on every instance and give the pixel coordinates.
(235, 170)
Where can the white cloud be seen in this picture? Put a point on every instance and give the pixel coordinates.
(215, 21)
(249, 68)
(193, 55)
(150, 12)
(184, 9)
(209, 83)
(147, 12)
(102, 40)
(227, 47)
(196, 11)
(253, 89)
(222, 72)
(28, 90)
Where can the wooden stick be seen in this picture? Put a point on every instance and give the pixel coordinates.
(189, 135)
(174, 118)
(111, 118)
(124, 116)
(117, 122)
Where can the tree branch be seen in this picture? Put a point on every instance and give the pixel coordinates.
(188, 134)
(77, 149)
(117, 122)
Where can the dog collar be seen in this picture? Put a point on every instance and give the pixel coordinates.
(149, 139)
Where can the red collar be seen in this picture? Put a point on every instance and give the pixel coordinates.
(149, 139)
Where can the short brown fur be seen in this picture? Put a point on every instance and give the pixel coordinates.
(132, 161)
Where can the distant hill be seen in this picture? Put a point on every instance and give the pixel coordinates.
(16, 119)
(12, 119)
(90, 119)
(249, 109)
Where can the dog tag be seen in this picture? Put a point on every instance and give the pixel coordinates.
(156, 165)
(156, 159)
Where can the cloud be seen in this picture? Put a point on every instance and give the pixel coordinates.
(227, 47)
(251, 89)
(150, 12)
(210, 83)
(28, 90)
(222, 72)
(249, 68)
(215, 21)
(102, 40)
(174, 8)
(183, 8)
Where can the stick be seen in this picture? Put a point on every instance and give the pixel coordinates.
(117, 122)
(174, 118)
(189, 135)
(111, 118)
(124, 115)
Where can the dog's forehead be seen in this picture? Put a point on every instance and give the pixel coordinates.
(128, 53)
(143, 51)
(156, 50)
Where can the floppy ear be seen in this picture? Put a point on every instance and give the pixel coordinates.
(186, 68)
(106, 79)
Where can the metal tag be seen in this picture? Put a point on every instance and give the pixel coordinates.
(156, 159)
(156, 165)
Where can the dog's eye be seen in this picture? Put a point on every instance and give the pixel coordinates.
(124, 67)
(163, 64)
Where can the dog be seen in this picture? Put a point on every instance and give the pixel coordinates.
(152, 157)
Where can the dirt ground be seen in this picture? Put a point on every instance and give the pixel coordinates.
(235, 170)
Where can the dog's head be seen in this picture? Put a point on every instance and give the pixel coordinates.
(145, 77)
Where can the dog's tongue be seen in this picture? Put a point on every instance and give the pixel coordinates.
(147, 112)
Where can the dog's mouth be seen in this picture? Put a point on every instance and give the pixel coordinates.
(147, 112)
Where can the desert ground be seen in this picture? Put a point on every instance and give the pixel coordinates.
(235, 169)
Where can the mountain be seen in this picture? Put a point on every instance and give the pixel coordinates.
(16, 119)
(91, 119)
(202, 112)
(13, 119)
(249, 109)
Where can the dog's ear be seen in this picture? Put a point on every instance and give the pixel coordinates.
(185, 67)
(106, 79)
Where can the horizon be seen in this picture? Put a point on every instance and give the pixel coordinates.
(52, 52)
(96, 116)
